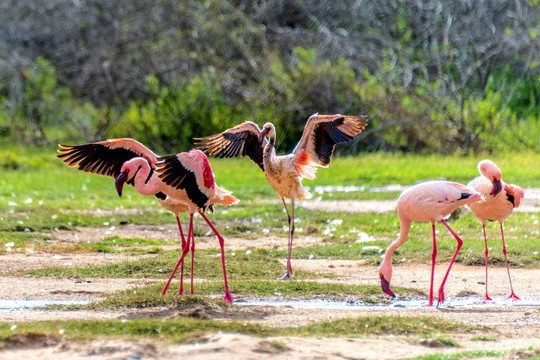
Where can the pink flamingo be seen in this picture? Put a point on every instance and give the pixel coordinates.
(500, 201)
(118, 158)
(285, 173)
(429, 201)
(188, 176)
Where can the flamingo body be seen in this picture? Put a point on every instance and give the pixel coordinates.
(500, 201)
(429, 201)
(285, 173)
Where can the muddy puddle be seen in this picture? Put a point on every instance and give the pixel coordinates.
(22, 304)
(410, 304)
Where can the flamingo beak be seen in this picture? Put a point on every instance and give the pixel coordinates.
(497, 187)
(385, 285)
(262, 134)
(119, 182)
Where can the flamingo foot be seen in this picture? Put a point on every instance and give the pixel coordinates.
(429, 304)
(440, 299)
(486, 298)
(287, 276)
(228, 297)
(513, 297)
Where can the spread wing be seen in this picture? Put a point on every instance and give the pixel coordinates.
(184, 172)
(104, 157)
(241, 140)
(322, 133)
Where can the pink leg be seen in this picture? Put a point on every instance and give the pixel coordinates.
(192, 259)
(433, 258)
(181, 289)
(512, 296)
(228, 296)
(180, 261)
(486, 298)
(288, 274)
(459, 244)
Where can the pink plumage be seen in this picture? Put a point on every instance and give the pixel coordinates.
(500, 201)
(429, 201)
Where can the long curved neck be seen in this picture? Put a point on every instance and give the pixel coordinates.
(144, 179)
(405, 226)
(269, 149)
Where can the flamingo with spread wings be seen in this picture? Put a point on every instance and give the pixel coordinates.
(284, 173)
(129, 161)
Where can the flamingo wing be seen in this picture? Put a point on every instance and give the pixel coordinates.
(514, 193)
(104, 157)
(322, 133)
(241, 140)
(190, 173)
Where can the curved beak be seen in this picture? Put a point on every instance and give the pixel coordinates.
(119, 182)
(262, 134)
(497, 187)
(385, 285)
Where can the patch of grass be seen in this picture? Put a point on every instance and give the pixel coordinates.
(462, 355)
(483, 338)
(188, 329)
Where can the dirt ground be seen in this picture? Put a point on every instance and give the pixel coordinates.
(514, 325)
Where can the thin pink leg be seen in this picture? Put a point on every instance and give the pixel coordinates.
(192, 259)
(512, 296)
(288, 274)
(228, 296)
(459, 244)
(433, 258)
(181, 289)
(486, 298)
(180, 261)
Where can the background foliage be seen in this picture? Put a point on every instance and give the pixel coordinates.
(440, 76)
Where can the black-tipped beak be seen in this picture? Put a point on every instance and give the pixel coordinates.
(262, 134)
(385, 285)
(119, 182)
(497, 187)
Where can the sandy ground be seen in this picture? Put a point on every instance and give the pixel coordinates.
(514, 325)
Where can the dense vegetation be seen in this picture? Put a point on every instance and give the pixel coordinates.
(434, 76)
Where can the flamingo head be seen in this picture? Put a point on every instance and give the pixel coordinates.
(267, 130)
(385, 274)
(492, 172)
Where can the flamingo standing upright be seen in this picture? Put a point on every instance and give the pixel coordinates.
(500, 201)
(129, 161)
(285, 173)
(429, 201)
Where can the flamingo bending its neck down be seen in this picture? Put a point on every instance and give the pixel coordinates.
(188, 177)
(429, 201)
(500, 201)
(285, 173)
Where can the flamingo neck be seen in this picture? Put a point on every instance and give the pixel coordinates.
(145, 180)
(405, 227)
(269, 149)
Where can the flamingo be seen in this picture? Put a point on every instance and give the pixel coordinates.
(188, 176)
(429, 201)
(118, 158)
(285, 173)
(500, 201)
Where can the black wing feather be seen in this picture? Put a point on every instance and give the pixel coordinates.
(96, 158)
(173, 173)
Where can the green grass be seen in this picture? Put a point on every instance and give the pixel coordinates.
(189, 330)
(462, 355)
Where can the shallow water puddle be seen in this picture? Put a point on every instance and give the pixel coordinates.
(451, 303)
(19, 304)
